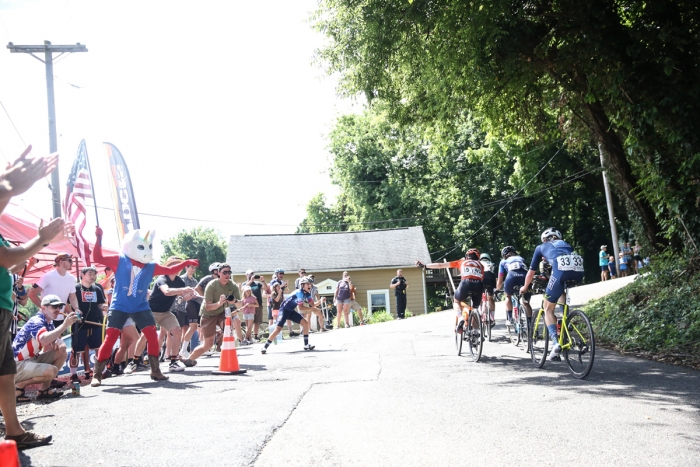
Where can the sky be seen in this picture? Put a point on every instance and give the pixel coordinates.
(216, 106)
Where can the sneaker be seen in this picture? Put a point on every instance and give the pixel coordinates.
(130, 368)
(116, 370)
(554, 354)
(184, 354)
(74, 379)
(256, 339)
(175, 366)
(293, 334)
(189, 363)
(493, 323)
(263, 350)
(309, 347)
(29, 439)
(142, 367)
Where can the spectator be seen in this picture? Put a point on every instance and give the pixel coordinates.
(257, 286)
(20, 175)
(201, 287)
(219, 295)
(276, 299)
(19, 297)
(354, 305)
(603, 262)
(58, 281)
(84, 334)
(107, 279)
(188, 315)
(399, 284)
(302, 273)
(164, 292)
(39, 333)
(318, 301)
(628, 257)
(250, 303)
(341, 299)
(637, 256)
(611, 267)
(623, 265)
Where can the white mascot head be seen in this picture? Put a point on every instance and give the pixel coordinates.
(138, 246)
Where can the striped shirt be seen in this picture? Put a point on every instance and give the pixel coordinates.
(26, 344)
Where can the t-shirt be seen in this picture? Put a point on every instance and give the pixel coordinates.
(343, 290)
(603, 261)
(252, 300)
(181, 305)
(54, 283)
(401, 288)
(470, 269)
(623, 263)
(158, 301)
(26, 344)
(212, 293)
(627, 251)
(89, 301)
(6, 283)
(515, 264)
(203, 282)
(299, 297)
(256, 288)
(612, 268)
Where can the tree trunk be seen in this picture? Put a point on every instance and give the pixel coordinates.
(620, 167)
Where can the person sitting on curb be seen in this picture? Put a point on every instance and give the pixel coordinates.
(39, 350)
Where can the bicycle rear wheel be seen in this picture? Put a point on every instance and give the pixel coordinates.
(579, 357)
(522, 327)
(538, 339)
(485, 316)
(458, 341)
(514, 327)
(474, 334)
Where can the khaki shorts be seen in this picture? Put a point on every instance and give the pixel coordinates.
(209, 325)
(258, 315)
(355, 306)
(35, 367)
(166, 320)
(7, 356)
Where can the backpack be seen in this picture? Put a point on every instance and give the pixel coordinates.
(343, 290)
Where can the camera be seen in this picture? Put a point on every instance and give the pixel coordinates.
(257, 276)
(231, 298)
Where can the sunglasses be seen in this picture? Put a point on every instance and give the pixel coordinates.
(56, 307)
(225, 273)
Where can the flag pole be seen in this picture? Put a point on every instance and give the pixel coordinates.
(92, 184)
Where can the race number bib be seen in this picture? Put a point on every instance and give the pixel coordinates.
(471, 271)
(516, 265)
(572, 262)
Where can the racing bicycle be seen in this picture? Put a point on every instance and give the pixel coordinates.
(485, 315)
(470, 331)
(517, 328)
(575, 338)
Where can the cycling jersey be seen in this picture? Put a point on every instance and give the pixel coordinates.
(470, 269)
(514, 264)
(566, 266)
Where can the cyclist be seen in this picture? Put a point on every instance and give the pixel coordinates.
(472, 273)
(512, 271)
(301, 299)
(567, 265)
(489, 284)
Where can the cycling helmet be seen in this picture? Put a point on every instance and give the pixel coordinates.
(305, 280)
(550, 232)
(474, 252)
(485, 256)
(508, 250)
(214, 267)
(279, 270)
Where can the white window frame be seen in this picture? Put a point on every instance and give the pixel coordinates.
(376, 292)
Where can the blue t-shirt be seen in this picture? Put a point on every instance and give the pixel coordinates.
(513, 263)
(603, 258)
(297, 298)
(26, 344)
(550, 251)
(134, 300)
(623, 263)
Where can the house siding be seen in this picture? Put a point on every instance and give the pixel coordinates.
(370, 279)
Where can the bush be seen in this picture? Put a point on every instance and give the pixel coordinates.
(658, 313)
(408, 314)
(380, 317)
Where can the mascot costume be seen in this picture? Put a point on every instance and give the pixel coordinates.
(133, 272)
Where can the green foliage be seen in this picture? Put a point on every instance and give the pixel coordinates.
(380, 317)
(659, 312)
(205, 244)
(408, 314)
(621, 73)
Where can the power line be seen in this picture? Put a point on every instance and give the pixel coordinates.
(13, 124)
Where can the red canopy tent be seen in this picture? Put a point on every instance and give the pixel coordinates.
(17, 225)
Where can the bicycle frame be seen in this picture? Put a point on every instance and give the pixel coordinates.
(565, 344)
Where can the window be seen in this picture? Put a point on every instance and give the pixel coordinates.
(378, 300)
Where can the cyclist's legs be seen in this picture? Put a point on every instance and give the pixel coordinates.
(554, 291)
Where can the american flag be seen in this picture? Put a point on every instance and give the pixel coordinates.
(79, 188)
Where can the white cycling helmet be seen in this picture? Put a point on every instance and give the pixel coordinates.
(305, 280)
(550, 232)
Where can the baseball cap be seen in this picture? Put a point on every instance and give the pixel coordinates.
(51, 300)
(249, 272)
(62, 256)
(603, 246)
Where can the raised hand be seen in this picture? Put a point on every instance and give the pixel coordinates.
(98, 231)
(52, 231)
(21, 174)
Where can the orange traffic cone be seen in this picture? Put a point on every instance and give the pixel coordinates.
(8, 454)
(228, 365)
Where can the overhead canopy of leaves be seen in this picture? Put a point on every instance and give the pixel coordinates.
(205, 244)
(624, 74)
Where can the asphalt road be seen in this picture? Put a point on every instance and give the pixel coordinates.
(387, 394)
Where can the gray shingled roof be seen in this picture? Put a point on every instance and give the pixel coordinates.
(328, 251)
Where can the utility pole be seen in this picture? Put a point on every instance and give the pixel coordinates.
(49, 49)
(611, 213)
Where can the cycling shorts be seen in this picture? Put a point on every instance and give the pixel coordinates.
(555, 286)
(470, 287)
(513, 283)
(489, 282)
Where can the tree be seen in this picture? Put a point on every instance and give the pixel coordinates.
(205, 244)
(620, 73)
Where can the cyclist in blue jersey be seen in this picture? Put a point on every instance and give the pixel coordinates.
(511, 275)
(567, 265)
(288, 311)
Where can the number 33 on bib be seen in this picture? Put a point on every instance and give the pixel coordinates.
(572, 262)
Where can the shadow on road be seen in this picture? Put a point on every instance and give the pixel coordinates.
(142, 388)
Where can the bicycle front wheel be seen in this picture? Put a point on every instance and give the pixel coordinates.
(579, 335)
(538, 339)
(459, 340)
(522, 327)
(486, 318)
(474, 334)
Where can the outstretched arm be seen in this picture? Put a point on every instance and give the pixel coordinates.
(109, 260)
(175, 269)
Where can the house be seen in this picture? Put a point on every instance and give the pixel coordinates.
(372, 258)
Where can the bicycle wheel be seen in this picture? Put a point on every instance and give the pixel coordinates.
(514, 328)
(579, 357)
(485, 317)
(522, 327)
(538, 339)
(474, 334)
(458, 342)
